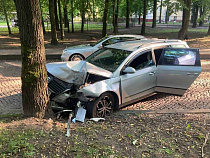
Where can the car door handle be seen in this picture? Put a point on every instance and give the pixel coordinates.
(194, 74)
(152, 73)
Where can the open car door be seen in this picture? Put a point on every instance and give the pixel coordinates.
(177, 69)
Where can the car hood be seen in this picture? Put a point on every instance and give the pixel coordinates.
(79, 47)
(75, 71)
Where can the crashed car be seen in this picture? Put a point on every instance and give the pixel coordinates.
(81, 52)
(122, 74)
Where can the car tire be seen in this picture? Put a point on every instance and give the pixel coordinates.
(76, 57)
(102, 106)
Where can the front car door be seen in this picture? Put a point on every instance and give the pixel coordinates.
(177, 69)
(140, 83)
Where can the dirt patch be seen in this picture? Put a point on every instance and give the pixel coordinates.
(174, 135)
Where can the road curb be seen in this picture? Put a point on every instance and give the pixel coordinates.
(58, 56)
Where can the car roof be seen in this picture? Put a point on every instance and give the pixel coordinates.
(127, 35)
(134, 45)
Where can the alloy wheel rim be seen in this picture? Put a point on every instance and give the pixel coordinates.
(76, 58)
(104, 107)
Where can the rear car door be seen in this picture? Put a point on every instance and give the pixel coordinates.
(177, 70)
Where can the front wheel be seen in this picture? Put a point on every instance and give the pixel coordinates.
(101, 107)
(76, 57)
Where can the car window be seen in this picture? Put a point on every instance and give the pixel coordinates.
(186, 57)
(112, 41)
(178, 46)
(108, 58)
(142, 61)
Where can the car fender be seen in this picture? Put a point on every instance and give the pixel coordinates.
(98, 88)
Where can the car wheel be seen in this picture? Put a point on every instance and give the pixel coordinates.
(102, 106)
(76, 57)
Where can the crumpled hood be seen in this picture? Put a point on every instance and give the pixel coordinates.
(79, 47)
(75, 71)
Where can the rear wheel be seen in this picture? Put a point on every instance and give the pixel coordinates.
(101, 107)
(76, 57)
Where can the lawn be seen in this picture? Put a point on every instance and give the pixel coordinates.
(140, 135)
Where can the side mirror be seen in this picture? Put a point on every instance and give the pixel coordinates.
(129, 70)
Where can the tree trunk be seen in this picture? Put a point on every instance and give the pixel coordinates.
(186, 20)
(143, 27)
(61, 20)
(127, 13)
(201, 16)
(183, 16)
(113, 12)
(208, 33)
(34, 74)
(139, 17)
(65, 14)
(43, 27)
(116, 18)
(195, 15)
(167, 15)
(56, 15)
(83, 16)
(72, 16)
(5, 14)
(160, 17)
(94, 15)
(154, 14)
(105, 18)
(54, 40)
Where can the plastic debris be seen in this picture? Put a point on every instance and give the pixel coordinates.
(97, 119)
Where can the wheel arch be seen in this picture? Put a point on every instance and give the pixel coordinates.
(76, 54)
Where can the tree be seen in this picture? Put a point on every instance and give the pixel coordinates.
(105, 17)
(154, 13)
(116, 18)
(34, 75)
(72, 16)
(61, 20)
(54, 40)
(143, 27)
(56, 15)
(127, 13)
(5, 14)
(65, 15)
(161, 5)
(186, 19)
(195, 14)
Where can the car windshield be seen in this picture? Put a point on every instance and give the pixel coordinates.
(93, 44)
(108, 58)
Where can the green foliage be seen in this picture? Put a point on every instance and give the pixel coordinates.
(10, 7)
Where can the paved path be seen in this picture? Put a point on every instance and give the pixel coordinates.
(196, 97)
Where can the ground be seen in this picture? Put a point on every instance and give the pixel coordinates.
(176, 127)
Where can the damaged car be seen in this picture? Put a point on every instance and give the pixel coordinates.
(121, 74)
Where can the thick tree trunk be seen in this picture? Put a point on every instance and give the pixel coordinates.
(65, 14)
(160, 17)
(56, 15)
(54, 40)
(105, 18)
(61, 20)
(72, 16)
(127, 13)
(143, 27)
(186, 20)
(195, 15)
(34, 75)
(154, 14)
(116, 18)
(6, 17)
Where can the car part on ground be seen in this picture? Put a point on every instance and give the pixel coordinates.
(121, 74)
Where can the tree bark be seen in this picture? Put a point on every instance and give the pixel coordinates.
(61, 20)
(113, 12)
(34, 74)
(56, 15)
(186, 20)
(65, 15)
(6, 17)
(143, 27)
(72, 16)
(127, 13)
(43, 27)
(116, 18)
(201, 16)
(195, 15)
(54, 40)
(154, 14)
(160, 17)
(83, 16)
(167, 15)
(105, 18)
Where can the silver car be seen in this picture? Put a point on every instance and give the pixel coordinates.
(81, 52)
(121, 74)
